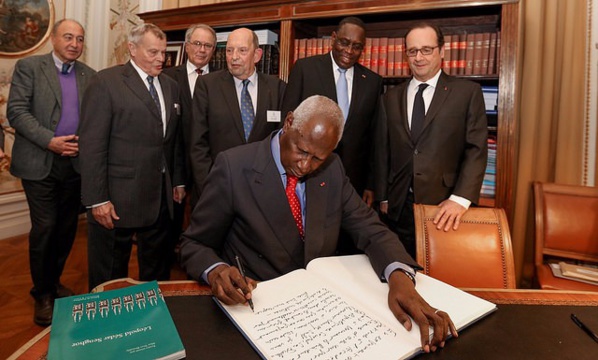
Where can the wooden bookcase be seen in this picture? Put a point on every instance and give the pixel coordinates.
(298, 19)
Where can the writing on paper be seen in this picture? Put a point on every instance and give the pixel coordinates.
(296, 328)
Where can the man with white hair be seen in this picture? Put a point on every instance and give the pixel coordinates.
(281, 203)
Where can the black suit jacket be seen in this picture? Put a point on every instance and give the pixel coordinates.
(314, 76)
(450, 155)
(217, 124)
(123, 148)
(244, 211)
(179, 74)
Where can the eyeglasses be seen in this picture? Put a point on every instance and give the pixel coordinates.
(346, 43)
(199, 44)
(426, 50)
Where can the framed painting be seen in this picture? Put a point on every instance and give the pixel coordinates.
(174, 52)
(25, 25)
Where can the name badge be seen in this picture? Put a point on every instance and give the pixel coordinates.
(273, 116)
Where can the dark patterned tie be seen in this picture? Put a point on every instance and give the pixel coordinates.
(199, 71)
(247, 114)
(294, 202)
(419, 113)
(65, 68)
(154, 93)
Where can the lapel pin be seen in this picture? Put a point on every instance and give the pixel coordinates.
(322, 184)
(445, 88)
(363, 76)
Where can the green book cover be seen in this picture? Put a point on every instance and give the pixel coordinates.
(128, 323)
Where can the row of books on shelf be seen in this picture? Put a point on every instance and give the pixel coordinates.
(490, 99)
(464, 54)
(489, 182)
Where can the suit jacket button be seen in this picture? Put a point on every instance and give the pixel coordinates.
(416, 152)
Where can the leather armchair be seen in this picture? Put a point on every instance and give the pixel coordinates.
(566, 229)
(477, 255)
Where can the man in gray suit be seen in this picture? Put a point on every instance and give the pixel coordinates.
(43, 107)
(437, 154)
(246, 210)
(131, 162)
(234, 106)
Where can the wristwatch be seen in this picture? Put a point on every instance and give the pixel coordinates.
(409, 275)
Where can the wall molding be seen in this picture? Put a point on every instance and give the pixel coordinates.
(14, 215)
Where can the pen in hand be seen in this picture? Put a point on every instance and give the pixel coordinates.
(250, 301)
(584, 327)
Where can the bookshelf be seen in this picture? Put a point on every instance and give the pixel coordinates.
(304, 19)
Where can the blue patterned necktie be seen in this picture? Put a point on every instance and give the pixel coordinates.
(247, 114)
(419, 113)
(154, 93)
(342, 93)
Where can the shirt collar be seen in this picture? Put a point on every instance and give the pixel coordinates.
(275, 148)
(252, 79)
(431, 82)
(191, 68)
(141, 73)
(335, 66)
(58, 63)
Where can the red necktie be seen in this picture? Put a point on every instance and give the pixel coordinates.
(198, 71)
(294, 202)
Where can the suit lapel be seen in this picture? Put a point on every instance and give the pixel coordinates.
(358, 86)
(167, 93)
(137, 85)
(402, 106)
(316, 189)
(49, 69)
(229, 93)
(326, 77)
(441, 93)
(263, 105)
(82, 78)
(271, 200)
(183, 78)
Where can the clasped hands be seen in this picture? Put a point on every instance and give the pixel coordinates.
(404, 302)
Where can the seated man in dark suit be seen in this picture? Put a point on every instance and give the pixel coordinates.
(245, 209)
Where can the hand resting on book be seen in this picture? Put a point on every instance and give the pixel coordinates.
(404, 300)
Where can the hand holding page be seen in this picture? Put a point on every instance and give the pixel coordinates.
(310, 313)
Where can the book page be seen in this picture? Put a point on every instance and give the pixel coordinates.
(299, 316)
(355, 275)
(338, 309)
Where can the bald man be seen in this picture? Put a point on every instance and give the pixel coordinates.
(233, 107)
(246, 209)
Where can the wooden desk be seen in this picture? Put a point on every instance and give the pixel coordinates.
(37, 347)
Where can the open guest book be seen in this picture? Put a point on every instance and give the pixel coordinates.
(337, 308)
(128, 323)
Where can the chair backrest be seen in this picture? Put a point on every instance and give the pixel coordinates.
(566, 222)
(477, 255)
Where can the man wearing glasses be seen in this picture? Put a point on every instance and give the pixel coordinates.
(200, 43)
(437, 139)
(338, 76)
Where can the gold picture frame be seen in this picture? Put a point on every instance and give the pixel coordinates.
(25, 26)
